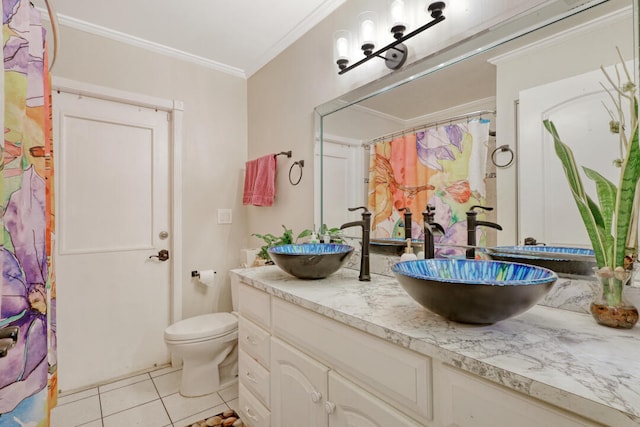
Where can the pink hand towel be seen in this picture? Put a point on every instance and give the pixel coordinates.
(260, 181)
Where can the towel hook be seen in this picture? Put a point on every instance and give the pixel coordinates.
(300, 164)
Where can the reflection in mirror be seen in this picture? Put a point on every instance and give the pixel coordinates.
(487, 73)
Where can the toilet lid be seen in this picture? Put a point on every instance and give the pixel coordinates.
(206, 325)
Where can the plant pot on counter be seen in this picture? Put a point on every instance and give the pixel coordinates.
(610, 307)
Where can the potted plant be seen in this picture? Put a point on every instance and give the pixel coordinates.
(271, 240)
(612, 221)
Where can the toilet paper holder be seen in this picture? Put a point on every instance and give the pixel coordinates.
(196, 273)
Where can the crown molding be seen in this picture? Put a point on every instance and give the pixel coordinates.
(321, 12)
(443, 115)
(379, 114)
(143, 44)
(315, 17)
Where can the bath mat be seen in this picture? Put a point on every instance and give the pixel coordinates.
(227, 418)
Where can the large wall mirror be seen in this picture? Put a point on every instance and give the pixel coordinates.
(549, 52)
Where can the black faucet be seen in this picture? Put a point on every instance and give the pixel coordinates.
(430, 227)
(531, 241)
(365, 223)
(472, 224)
(407, 222)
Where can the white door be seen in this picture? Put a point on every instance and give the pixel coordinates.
(575, 105)
(342, 165)
(112, 216)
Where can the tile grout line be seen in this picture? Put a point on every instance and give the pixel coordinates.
(162, 401)
(136, 406)
(100, 405)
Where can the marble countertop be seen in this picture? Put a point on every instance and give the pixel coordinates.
(558, 356)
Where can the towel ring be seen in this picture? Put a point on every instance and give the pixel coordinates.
(502, 148)
(300, 164)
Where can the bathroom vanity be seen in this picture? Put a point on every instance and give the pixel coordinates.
(338, 352)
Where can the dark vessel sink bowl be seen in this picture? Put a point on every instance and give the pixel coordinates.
(311, 260)
(565, 261)
(474, 291)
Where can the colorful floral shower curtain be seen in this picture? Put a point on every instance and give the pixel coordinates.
(443, 166)
(28, 381)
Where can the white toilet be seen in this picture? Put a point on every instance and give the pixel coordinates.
(208, 347)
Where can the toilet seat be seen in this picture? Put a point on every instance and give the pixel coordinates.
(204, 326)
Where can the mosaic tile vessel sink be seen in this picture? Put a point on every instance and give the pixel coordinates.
(310, 260)
(565, 261)
(474, 291)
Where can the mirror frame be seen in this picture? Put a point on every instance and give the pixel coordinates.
(482, 42)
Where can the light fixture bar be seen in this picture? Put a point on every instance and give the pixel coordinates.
(437, 18)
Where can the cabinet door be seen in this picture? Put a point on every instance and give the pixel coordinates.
(468, 401)
(298, 388)
(351, 406)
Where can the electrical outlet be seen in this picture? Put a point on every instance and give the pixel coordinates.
(225, 216)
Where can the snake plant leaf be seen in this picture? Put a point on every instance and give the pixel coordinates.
(565, 154)
(586, 207)
(607, 193)
(626, 194)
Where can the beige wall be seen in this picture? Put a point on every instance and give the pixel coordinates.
(214, 145)
(282, 98)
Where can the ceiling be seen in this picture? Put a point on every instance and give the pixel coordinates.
(236, 36)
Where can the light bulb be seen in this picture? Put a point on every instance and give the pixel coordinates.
(341, 46)
(367, 31)
(398, 18)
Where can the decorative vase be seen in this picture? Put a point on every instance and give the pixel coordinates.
(610, 307)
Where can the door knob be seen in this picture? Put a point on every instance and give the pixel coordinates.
(163, 255)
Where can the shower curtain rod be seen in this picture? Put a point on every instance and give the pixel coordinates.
(53, 18)
(426, 126)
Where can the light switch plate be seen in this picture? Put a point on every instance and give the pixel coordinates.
(225, 216)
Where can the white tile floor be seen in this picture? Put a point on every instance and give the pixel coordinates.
(147, 400)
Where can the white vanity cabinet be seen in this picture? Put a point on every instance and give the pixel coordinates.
(254, 341)
(321, 372)
(299, 367)
(306, 392)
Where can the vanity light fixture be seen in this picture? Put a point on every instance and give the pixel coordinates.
(395, 52)
(367, 22)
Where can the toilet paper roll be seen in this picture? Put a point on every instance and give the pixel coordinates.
(207, 277)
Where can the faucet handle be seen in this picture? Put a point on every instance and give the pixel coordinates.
(436, 226)
(364, 208)
(486, 208)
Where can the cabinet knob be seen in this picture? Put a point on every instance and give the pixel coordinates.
(330, 407)
(316, 396)
(248, 411)
(250, 377)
